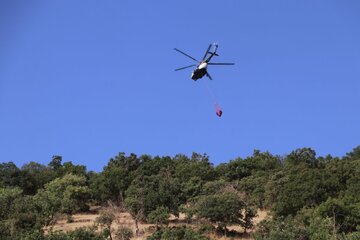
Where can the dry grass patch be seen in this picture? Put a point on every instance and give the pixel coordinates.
(125, 219)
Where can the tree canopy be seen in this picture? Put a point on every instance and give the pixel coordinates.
(307, 196)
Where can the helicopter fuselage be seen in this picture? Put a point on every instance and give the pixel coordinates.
(200, 71)
(201, 67)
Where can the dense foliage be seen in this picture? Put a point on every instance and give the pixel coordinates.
(308, 197)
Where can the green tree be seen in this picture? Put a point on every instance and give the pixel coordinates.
(99, 192)
(240, 168)
(146, 193)
(62, 195)
(191, 189)
(280, 229)
(135, 205)
(343, 212)
(306, 156)
(160, 216)
(105, 220)
(24, 216)
(196, 166)
(112, 183)
(247, 221)
(55, 163)
(77, 234)
(354, 154)
(222, 209)
(10, 175)
(179, 233)
(7, 199)
(115, 182)
(18, 214)
(215, 187)
(296, 187)
(321, 228)
(254, 190)
(38, 176)
(124, 233)
(70, 168)
(60, 169)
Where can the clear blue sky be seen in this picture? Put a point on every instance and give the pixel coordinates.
(89, 79)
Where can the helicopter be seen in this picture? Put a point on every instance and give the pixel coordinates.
(201, 66)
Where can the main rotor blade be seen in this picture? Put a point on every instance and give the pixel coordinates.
(186, 54)
(208, 75)
(221, 63)
(207, 52)
(193, 65)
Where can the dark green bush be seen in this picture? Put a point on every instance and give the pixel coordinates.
(124, 233)
(177, 233)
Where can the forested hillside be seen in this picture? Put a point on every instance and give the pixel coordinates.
(306, 196)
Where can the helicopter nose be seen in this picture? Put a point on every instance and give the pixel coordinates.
(194, 76)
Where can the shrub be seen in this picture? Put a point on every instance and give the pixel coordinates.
(124, 233)
(179, 233)
(160, 217)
